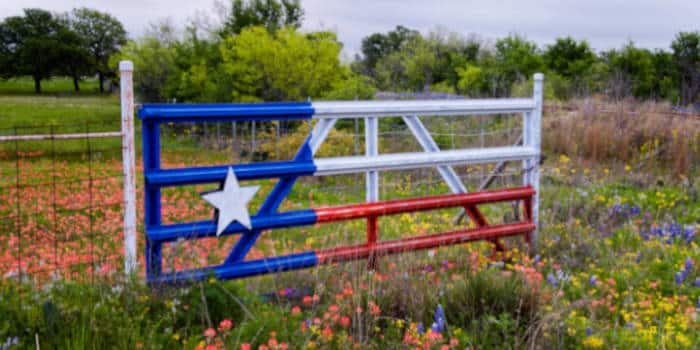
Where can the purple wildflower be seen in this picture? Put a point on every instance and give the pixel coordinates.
(639, 258)
(421, 328)
(536, 260)
(589, 331)
(680, 276)
(438, 325)
(688, 265)
(635, 210)
(697, 282)
(552, 279)
(593, 280)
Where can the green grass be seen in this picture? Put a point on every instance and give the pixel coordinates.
(56, 85)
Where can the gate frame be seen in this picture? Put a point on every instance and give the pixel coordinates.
(303, 164)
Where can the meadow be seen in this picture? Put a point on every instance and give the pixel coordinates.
(616, 265)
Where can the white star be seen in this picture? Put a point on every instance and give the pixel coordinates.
(231, 202)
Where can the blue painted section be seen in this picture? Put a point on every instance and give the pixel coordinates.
(272, 202)
(152, 216)
(241, 269)
(207, 228)
(254, 171)
(267, 217)
(226, 112)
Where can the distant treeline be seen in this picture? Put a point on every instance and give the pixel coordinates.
(41, 44)
(258, 53)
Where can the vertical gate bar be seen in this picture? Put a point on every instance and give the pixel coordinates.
(126, 69)
(372, 149)
(536, 143)
(371, 241)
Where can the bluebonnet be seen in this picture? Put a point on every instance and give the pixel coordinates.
(670, 233)
(635, 210)
(688, 264)
(697, 282)
(680, 276)
(589, 331)
(438, 325)
(639, 258)
(537, 259)
(552, 279)
(421, 328)
(593, 280)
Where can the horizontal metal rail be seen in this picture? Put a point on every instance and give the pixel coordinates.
(207, 228)
(425, 108)
(398, 161)
(38, 137)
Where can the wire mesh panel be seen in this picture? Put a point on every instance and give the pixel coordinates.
(60, 201)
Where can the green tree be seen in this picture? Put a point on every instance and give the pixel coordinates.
(271, 14)
(569, 58)
(102, 35)
(31, 45)
(516, 59)
(630, 71)
(686, 57)
(154, 66)
(74, 60)
(286, 65)
(378, 45)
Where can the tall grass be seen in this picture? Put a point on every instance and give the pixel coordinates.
(642, 134)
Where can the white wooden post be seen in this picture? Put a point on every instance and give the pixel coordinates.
(126, 69)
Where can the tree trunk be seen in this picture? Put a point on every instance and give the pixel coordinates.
(102, 80)
(76, 84)
(37, 85)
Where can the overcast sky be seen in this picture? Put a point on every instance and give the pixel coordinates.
(604, 23)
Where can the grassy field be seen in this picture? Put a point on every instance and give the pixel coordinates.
(55, 86)
(616, 265)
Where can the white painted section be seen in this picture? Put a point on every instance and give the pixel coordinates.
(319, 133)
(426, 141)
(361, 109)
(372, 150)
(398, 161)
(126, 69)
(535, 142)
(88, 135)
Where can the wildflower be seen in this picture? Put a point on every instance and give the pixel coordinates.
(438, 325)
(225, 325)
(680, 276)
(344, 322)
(210, 333)
(307, 300)
(552, 279)
(536, 260)
(296, 310)
(421, 328)
(697, 282)
(589, 331)
(245, 346)
(688, 265)
(327, 333)
(593, 280)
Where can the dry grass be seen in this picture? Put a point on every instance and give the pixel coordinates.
(634, 133)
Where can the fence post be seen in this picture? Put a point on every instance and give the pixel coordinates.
(126, 69)
(536, 143)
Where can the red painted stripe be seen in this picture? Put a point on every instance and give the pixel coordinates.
(423, 242)
(467, 200)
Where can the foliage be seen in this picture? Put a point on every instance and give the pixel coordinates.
(271, 14)
(154, 66)
(286, 65)
(101, 35)
(41, 44)
(31, 45)
(686, 58)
